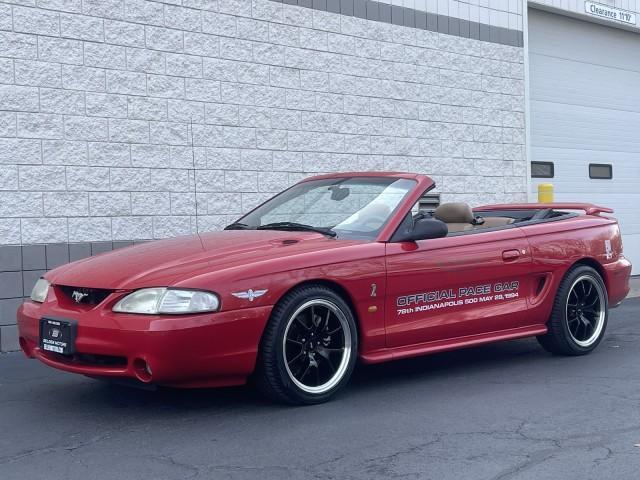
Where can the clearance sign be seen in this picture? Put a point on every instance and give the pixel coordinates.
(611, 13)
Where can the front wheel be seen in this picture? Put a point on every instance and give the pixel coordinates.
(309, 347)
(580, 312)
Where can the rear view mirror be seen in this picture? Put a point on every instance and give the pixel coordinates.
(339, 193)
(423, 229)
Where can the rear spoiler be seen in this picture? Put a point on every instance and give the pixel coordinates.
(588, 208)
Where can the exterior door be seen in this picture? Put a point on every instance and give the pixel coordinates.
(585, 110)
(457, 286)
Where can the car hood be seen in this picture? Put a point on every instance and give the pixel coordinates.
(167, 262)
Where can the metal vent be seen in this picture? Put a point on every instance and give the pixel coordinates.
(429, 202)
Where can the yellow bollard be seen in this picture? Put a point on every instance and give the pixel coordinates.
(545, 193)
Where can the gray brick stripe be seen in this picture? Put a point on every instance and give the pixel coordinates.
(409, 17)
(22, 265)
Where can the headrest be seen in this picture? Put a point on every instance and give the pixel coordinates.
(454, 213)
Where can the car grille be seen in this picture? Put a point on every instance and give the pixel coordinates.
(85, 296)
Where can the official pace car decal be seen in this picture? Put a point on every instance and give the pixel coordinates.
(436, 299)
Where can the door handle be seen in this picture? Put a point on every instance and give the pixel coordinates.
(510, 255)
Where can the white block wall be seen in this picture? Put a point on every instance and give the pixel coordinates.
(116, 115)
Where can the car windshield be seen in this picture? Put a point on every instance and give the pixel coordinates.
(349, 207)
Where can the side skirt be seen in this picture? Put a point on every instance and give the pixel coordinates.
(397, 353)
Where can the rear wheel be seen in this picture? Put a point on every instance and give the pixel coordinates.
(580, 312)
(309, 347)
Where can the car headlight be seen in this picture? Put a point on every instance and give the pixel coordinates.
(153, 301)
(40, 290)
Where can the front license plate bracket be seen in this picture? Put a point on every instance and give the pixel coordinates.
(58, 335)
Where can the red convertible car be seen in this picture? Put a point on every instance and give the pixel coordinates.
(334, 269)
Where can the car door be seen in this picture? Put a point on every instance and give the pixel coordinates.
(466, 284)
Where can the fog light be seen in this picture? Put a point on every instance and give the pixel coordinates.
(142, 370)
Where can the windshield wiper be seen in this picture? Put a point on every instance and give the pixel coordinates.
(293, 226)
(237, 226)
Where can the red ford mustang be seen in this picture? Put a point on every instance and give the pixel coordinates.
(337, 267)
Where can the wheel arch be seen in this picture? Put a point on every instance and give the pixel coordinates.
(332, 285)
(593, 263)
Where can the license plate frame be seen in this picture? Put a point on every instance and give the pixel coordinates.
(58, 335)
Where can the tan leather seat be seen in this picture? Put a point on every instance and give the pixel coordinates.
(457, 216)
(491, 222)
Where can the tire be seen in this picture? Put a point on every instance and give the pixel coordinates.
(309, 347)
(580, 313)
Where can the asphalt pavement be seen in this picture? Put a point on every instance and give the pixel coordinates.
(503, 411)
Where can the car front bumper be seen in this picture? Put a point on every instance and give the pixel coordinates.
(204, 350)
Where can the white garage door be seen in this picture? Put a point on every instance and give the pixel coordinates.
(585, 109)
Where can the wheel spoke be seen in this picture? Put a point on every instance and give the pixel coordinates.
(574, 330)
(589, 328)
(318, 327)
(304, 373)
(304, 325)
(295, 358)
(334, 331)
(291, 340)
(334, 350)
(324, 354)
(323, 324)
(580, 328)
(592, 304)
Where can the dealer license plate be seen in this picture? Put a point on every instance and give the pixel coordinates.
(57, 335)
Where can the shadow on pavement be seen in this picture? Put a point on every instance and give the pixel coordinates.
(366, 379)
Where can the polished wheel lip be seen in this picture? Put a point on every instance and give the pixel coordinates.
(598, 317)
(346, 354)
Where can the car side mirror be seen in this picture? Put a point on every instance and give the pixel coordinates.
(423, 229)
